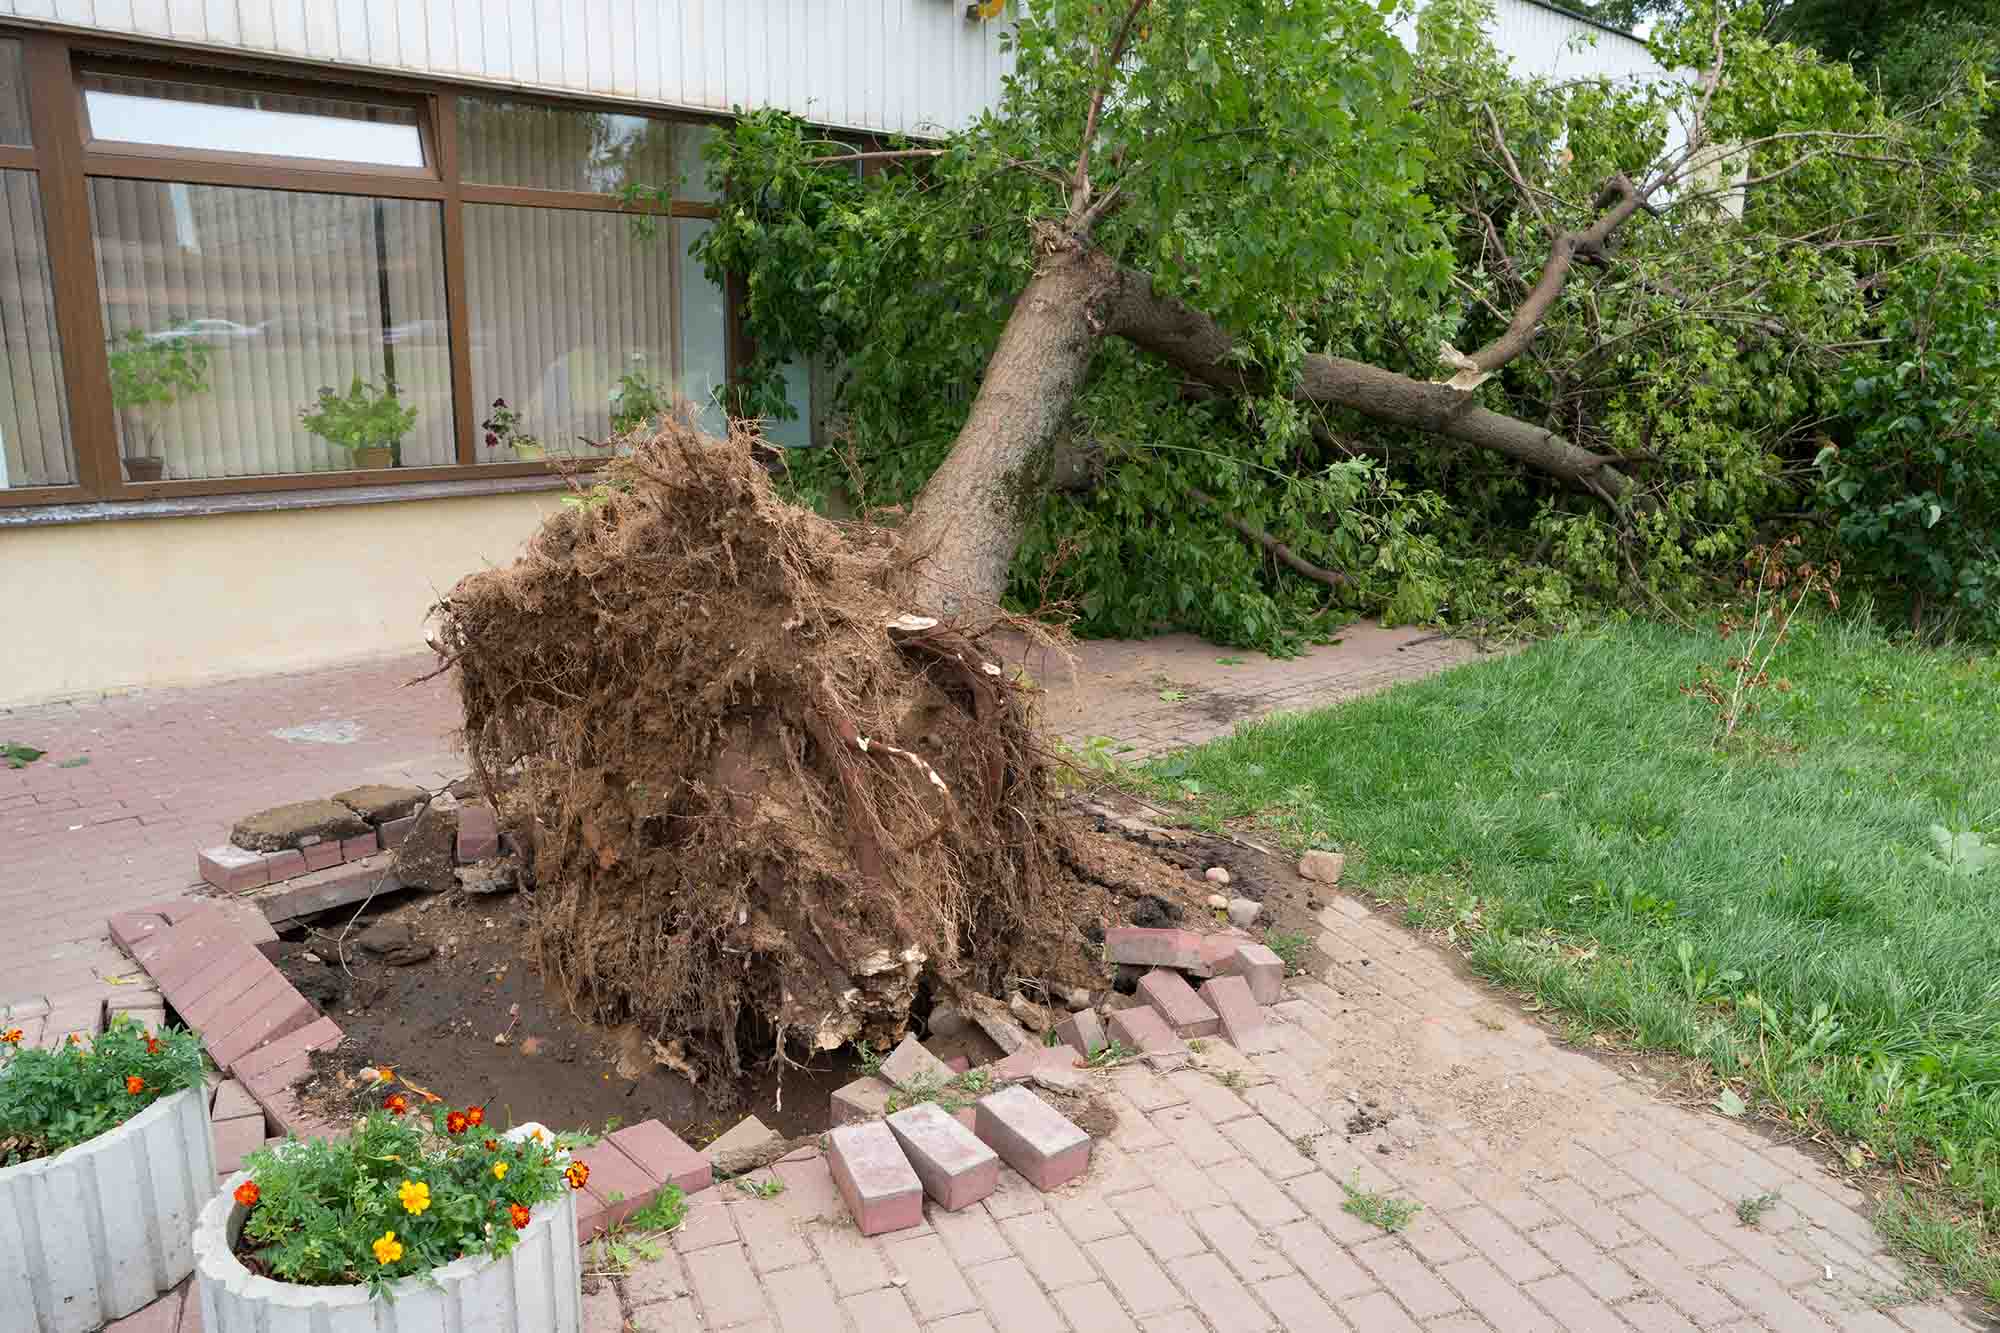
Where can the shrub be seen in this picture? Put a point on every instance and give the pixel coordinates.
(400, 1196)
(1916, 491)
(55, 1099)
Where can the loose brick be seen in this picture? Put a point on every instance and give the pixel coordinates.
(1083, 1032)
(1032, 1137)
(231, 869)
(316, 1035)
(130, 930)
(232, 1100)
(1238, 1013)
(910, 1065)
(1149, 947)
(393, 831)
(360, 846)
(956, 1169)
(613, 1172)
(1184, 1011)
(1257, 965)
(866, 1098)
(320, 855)
(664, 1154)
(323, 890)
(478, 834)
(1142, 1029)
(881, 1188)
(749, 1132)
(235, 1138)
(288, 864)
(1031, 1060)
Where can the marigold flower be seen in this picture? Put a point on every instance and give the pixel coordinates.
(13, 1036)
(152, 1045)
(499, 1170)
(387, 1248)
(493, 1145)
(416, 1196)
(536, 1135)
(577, 1174)
(517, 1215)
(76, 1039)
(134, 1084)
(247, 1194)
(455, 1123)
(395, 1103)
(475, 1116)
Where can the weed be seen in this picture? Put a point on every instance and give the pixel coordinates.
(1750, 1210)
(1112, 1053)
(1290, 946)
(868, 1059)
(1197, 1045)
(770, 1187)
(1172, 696)
(1229, 661)
(1778, 567)
(1381, 1210)
(1231, 1079)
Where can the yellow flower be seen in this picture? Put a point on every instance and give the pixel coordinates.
(416, 1196)
(387, 1248)
(499, 1170)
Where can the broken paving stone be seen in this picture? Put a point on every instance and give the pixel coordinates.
(379, 803)
(491, 876)
(1030, 1015)
(427, 854)
(1243, 912)
(1079, 998)
(749, 1132)
(395, 943)
(1322, 867)
(288, 826)
(946, 1021)
(910, 1066)
(997, 1022)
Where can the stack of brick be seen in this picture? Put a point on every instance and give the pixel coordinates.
(1238, 977)
(628, 1168)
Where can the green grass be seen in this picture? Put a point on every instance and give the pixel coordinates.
(1382, 1210)
(1777, 908)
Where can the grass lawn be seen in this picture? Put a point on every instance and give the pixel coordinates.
(1776, 907)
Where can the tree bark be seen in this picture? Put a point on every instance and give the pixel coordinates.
(962, 530)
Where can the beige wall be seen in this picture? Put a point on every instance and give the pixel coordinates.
(89, 607)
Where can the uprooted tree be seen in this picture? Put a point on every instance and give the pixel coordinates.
(1206, 272)
(1189, 301)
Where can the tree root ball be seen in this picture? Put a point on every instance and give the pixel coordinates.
(764, 805)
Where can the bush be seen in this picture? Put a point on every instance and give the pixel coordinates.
(401, 1195)
(52, 1100)
(1916, 490)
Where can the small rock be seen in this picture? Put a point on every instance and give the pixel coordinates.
(1154, 912)
(490, 876)
(499, 1039)
(323, 988)
(310, 957)
(1217, 875)
(1127, 979)
(1159, 837)
(395, 944)
(1030, 1015)
(1218, 902)
(1322, 867)
(1243, 912)
(1078, 999)
(946, 1021)
(1060, 1078)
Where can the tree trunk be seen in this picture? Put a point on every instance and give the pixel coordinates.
(961, 534)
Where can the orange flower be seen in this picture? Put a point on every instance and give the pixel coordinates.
(577, 1174)
(475, 1116)
(152, 1045)
(517, 1215)
(13, 1036)
(246, 1194)
(455, 1123)
(134, 1084)
(493, 1145)
(76, 1039)
(395, 1103)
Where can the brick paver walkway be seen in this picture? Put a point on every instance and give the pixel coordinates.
(1217, 1203)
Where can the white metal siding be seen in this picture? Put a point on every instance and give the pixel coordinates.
(906, 66)
(1543, 43)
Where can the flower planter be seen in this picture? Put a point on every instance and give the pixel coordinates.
(101, 1229)
(536, 1288)
(145, 468)
(375, 457)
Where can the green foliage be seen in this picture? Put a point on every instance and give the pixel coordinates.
(1380, 1210)
(365, 417)
(1290, 946)
(1750, 1210)
(1781, 910)
(640, 397)
(767, 1187)
(324, 1208)
(55, 1099)
(1915, 490)
(19, 756)
(156, 372)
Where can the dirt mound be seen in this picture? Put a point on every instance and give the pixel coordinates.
(763, 805)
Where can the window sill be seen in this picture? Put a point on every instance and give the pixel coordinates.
(259, 502)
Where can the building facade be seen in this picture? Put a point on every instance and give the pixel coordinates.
(231, 226)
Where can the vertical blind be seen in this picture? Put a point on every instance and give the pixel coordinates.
(34, 416)
(284, 292)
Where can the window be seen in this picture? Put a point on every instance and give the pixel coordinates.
(224, 119)
(537, 147)
(227, 310)
(34, 415)
(13, 97)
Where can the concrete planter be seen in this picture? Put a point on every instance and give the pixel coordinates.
(96, 1232)
(536, 1288)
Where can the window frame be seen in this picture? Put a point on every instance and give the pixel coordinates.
(63, 157)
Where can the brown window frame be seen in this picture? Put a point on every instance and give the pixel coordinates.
(64, 157)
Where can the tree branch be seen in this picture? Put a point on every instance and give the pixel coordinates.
(887, 155)
(1280, 552)
(1079, 194)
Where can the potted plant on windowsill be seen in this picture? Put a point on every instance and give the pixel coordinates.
(428, 1213)
(368, 422)
(503, 430)
(105, 1162)
(147, 375)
